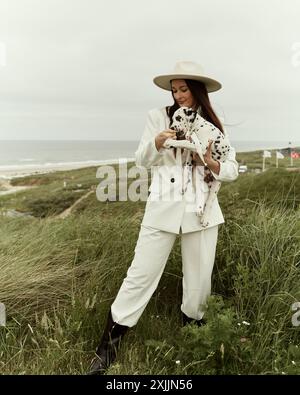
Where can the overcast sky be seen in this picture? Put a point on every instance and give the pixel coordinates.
(83, 69)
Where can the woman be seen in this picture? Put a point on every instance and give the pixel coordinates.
(170, 210)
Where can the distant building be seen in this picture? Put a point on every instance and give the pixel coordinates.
(287, 151)
(243, 168)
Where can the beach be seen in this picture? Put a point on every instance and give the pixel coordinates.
(7, 173)
(12, 171)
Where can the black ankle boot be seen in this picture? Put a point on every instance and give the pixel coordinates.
(107, 350)
(187, 320)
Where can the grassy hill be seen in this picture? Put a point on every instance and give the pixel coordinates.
(254, 160)
(58, 278)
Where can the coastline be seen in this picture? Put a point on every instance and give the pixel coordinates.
(7, 173)
(15, 171)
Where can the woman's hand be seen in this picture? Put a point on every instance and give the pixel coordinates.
(163, 136)
(212, 164)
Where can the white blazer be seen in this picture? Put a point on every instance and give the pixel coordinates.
(167, 207)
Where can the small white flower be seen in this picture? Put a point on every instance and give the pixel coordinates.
(293, 362)
(245, 323)
(177, 362)
(239, 324)
(283, 373)
(157, 316)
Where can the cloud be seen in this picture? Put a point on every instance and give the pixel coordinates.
(92, 63)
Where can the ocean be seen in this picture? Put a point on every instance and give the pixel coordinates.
(41, 152)
(26, 155)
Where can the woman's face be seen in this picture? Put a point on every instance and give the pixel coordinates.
(182, 94)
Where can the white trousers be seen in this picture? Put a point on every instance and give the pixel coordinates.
(151, 254)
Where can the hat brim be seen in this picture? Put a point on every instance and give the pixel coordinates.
(164, 81)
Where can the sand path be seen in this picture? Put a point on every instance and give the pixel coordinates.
(6, 188)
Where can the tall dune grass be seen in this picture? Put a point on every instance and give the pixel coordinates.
(58, 279)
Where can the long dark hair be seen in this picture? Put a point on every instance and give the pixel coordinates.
(199, 92)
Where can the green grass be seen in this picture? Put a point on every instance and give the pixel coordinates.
(254, 160)
(59, 277)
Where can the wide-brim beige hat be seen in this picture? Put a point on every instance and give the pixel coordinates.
(187, 70)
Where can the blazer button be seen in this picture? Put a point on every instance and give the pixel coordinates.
(172, 179)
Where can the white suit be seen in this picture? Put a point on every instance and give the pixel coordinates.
(169, 212)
